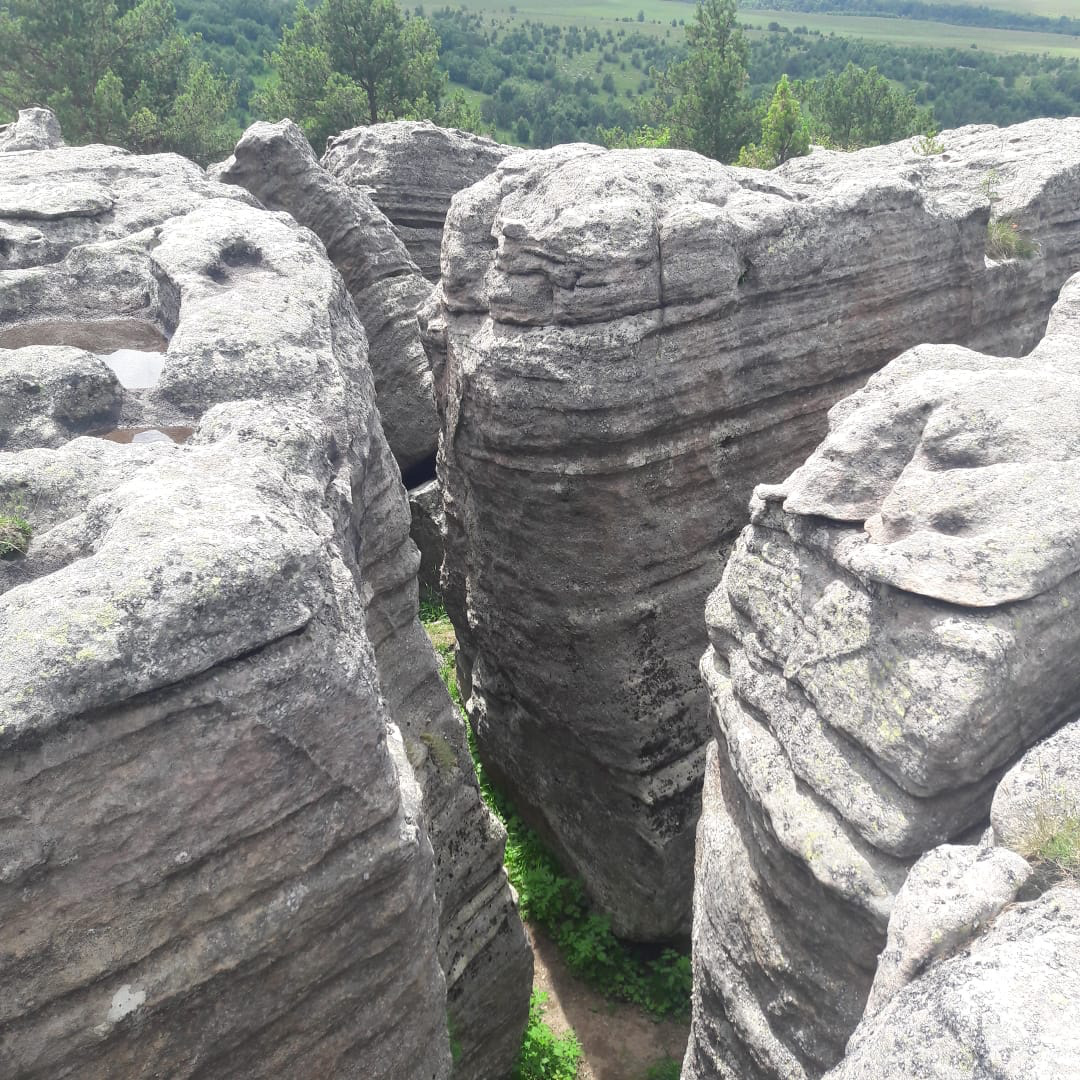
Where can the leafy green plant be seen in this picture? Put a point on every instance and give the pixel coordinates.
(1004, 240)
(15, 532)
(548, 896)
(668, 1069)
(929, 144)
(545, 1055)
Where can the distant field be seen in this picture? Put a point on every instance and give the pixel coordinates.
(659, 13)
(915, 32)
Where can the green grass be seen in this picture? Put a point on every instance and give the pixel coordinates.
(545, 1055)
(557, 902)
(15, 532)
(916, 32)
(1057, 843)
(668, 1069)
(1004, 240)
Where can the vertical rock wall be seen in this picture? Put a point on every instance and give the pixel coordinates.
(216, 702)
(623, 344)
(895, 626)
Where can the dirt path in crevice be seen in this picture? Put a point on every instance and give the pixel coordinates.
(620, 1042)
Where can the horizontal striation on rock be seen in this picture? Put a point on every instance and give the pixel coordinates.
(895, 626)
(623, 344)
(412, 169)
(277, 165)
(217, 782)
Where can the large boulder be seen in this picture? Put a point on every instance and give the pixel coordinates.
(277, 165)
(894, 628)
(1004, 1007)
(412, 169)
(33, 129)
(624, 343)
(243, 836)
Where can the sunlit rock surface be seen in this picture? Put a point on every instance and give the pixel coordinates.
(894, 628)
(625, 343)
(241, 833)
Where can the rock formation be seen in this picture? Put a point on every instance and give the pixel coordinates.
(35, 129)
(624, 343)
(242, 834)
(412, 169)
(895, 626)
(277, 165)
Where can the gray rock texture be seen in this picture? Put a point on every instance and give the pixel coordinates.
(947, 899)
(624, 343)
(1040, 795)
(412, 169)
(894, 628)
(34, 129)
(277, 165)
(425, 502)
(241, 835)
(1002, 1009)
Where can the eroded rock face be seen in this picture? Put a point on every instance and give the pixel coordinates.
(624, 343)
(892, 631)
(242, 835)
(277, 165)
(1005, 1007)
(412, 169)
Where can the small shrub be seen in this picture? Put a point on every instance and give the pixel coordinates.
(1004, 240)
(545, 1055)
(15, 532)
(928, 145)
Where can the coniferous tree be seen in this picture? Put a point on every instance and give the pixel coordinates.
(784, 132)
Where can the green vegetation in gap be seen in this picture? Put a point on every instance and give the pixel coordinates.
(112, 72)
(1058, 843)
(1004, 240)
(545, 1055)
(659, 984)
(15, 531)
(668, 1069)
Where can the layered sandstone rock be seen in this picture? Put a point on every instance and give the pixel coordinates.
(892, 631)
(625, 342)
(412, 169)
(1004, 1007)
(277, 165)
(225, 752)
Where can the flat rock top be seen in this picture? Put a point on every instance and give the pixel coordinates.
(962, 468)
(412, 155)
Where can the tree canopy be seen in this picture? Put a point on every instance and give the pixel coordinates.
(348, 62)
(114, 72)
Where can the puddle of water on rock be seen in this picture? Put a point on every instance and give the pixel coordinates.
(140, 436)
(133, 348)
(136, 370)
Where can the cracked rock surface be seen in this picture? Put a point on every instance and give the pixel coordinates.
(241, 833)
(623, 343)
(894, 629)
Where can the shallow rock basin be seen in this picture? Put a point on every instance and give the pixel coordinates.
(140, 436)
(133, 348)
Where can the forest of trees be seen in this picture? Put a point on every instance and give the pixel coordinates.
(189, 74)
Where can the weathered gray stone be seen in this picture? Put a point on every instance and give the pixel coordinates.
(425, 502)
(34, 129)
(412, 169)
(277, 165)
(47, 396)
(889, 704)
(1040, 794)
(948, 898)
(625, 342)
(1004, 1008)
(225, 750)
